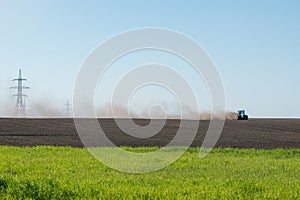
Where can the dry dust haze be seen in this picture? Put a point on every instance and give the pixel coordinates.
(39, 110)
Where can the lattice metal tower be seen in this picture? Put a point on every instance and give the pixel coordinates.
(20, 105)
(68, 108)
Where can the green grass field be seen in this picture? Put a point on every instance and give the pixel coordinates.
(71, 173)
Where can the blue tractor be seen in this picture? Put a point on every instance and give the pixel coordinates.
(242, 115)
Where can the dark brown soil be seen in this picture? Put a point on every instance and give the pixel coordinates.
(255, 133)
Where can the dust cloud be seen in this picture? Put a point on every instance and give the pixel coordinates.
(39, 110)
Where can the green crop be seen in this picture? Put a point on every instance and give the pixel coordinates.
(72, 173)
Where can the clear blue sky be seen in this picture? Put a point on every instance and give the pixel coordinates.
(255, 45)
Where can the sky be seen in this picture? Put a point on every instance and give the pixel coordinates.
(254, 44)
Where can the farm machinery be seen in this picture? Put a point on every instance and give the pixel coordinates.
(242, 115)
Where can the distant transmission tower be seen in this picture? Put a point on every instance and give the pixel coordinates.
(68, 108)
(20, 105)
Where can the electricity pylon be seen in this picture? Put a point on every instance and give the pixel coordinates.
(68, 108)
(20, 105)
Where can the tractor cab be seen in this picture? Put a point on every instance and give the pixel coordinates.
(242, 115)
